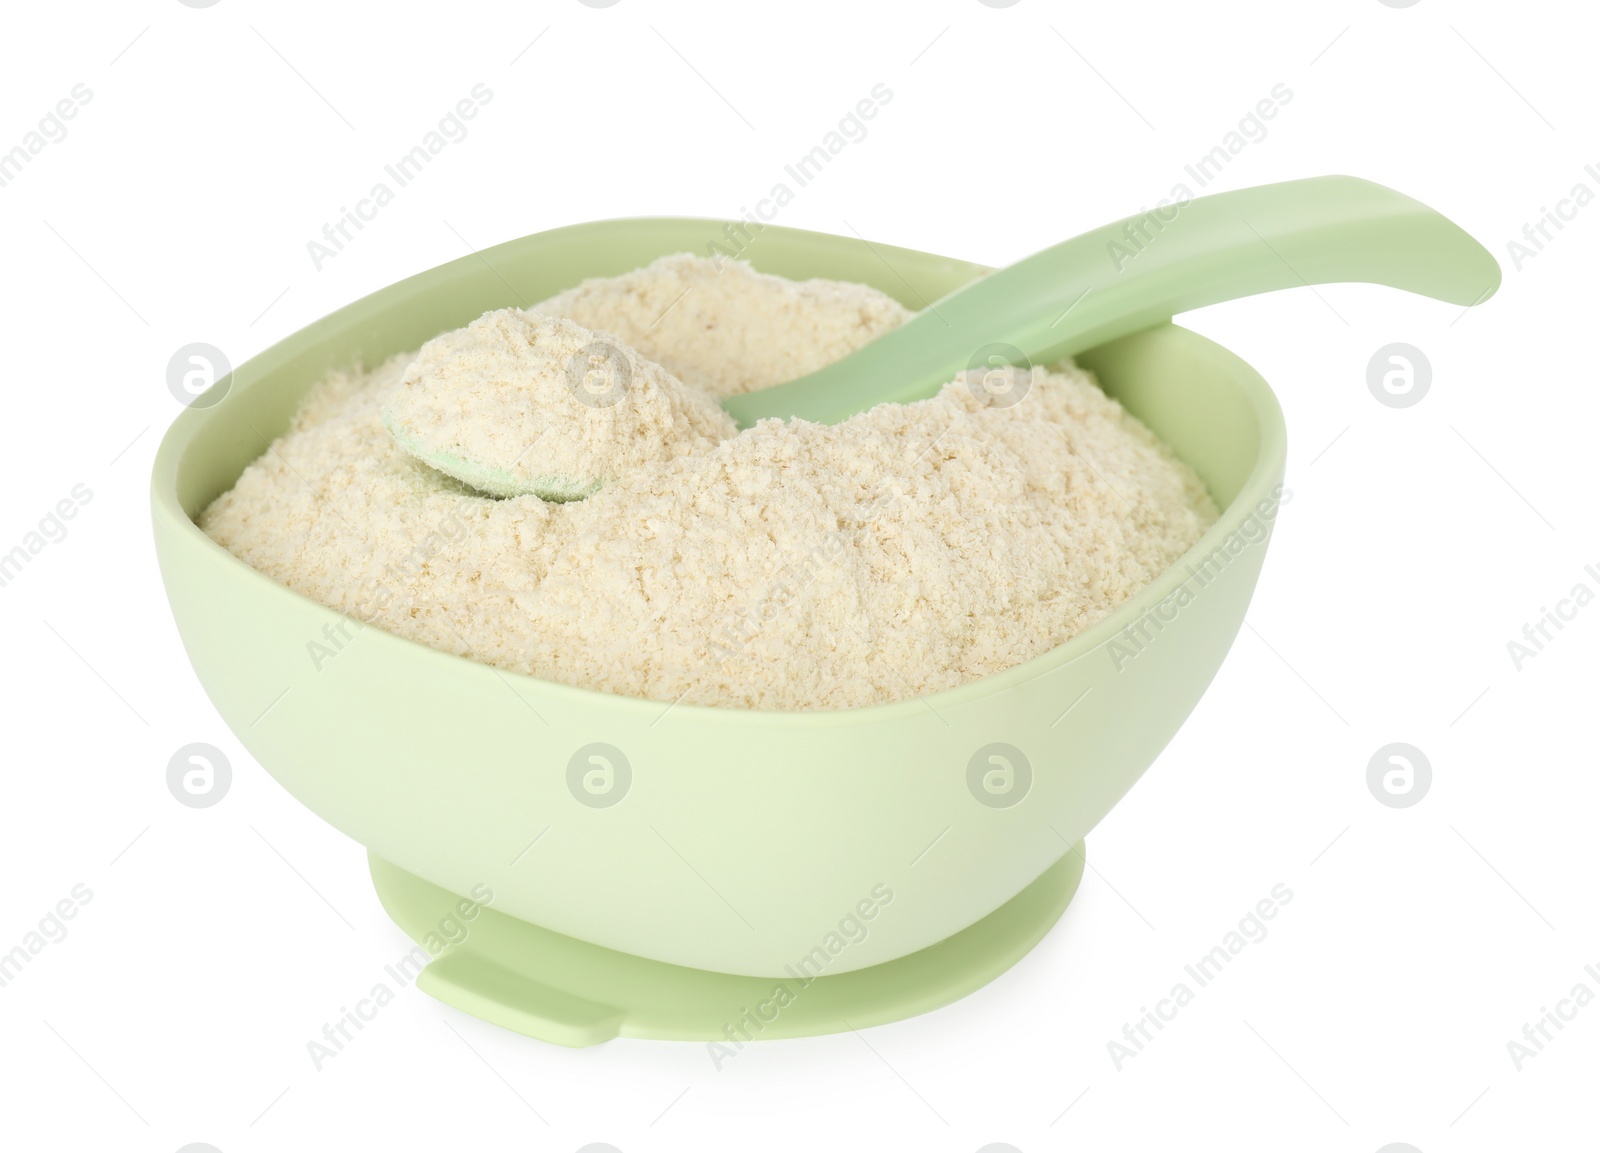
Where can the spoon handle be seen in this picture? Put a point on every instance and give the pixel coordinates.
(1141, 271)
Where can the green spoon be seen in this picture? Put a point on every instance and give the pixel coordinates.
(1093, 288)
(1140, 272)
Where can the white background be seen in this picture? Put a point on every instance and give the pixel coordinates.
(1418, 542)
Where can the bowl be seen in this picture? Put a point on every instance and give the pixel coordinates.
(577, 864)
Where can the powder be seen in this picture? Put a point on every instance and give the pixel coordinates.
(517, 402)
(726, 327)
(791, 566)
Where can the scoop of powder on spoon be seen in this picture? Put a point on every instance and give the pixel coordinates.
(518, 403)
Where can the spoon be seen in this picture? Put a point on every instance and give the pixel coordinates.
(1104, 284)
(1140, 272)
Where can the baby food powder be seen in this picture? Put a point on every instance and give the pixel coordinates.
(791, 566)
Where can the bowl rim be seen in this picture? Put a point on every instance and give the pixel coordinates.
(1258, 487)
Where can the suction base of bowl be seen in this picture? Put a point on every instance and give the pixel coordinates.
(571, 992)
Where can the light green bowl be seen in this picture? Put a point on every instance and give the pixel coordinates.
(747, 841)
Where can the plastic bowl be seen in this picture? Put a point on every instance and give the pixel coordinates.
(744, 840)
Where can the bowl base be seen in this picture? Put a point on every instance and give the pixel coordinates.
(570, 992)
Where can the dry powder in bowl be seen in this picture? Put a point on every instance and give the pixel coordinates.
(789, 566)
